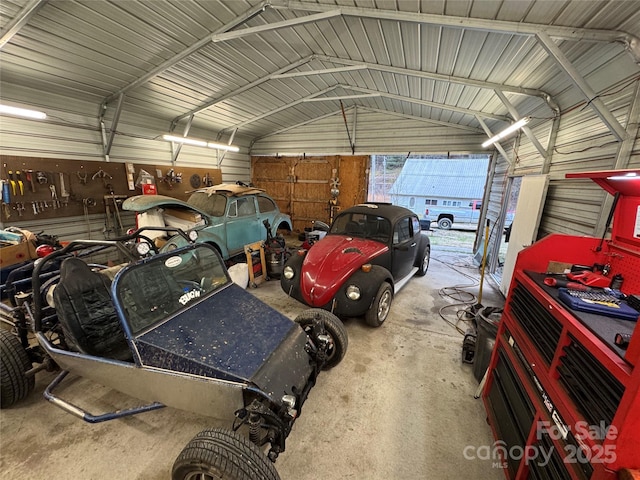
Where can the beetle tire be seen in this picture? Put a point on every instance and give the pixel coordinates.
(222, 453)
(14, 384)
(333, 326)
(424, 263)
(379, 310)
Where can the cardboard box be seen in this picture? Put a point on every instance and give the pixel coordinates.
(18, 253)
(180, 223)
(187, 215)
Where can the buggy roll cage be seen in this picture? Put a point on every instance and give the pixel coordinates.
(121, 243)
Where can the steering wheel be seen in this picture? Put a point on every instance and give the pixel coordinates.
(193, 285)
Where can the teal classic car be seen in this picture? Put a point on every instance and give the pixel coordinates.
(226, 216)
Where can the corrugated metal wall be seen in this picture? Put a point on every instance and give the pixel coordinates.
(373, 132)
(583, 144)
(71, 132)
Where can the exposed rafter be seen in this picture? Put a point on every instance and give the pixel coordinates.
(20, 20)
(238, 91)
(325, 15)
(279, 109)
(369, 109)
(594, 101)
(631, 42)
(249, 14)
(316, 97)
(437, 76)
(516, 116)
(427, 103)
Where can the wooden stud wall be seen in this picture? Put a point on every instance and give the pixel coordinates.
(302, 185)
(83, 180)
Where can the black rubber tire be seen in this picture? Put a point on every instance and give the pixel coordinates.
(379, 310)
(445, 224)
(14, 361)
(222, 454)
(333, 327)
(424, 264)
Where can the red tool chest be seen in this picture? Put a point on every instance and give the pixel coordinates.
(562, 399)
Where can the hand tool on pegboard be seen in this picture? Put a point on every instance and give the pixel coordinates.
(6, 198)
(12, 180)
(64, 193)
(20, 182)
(54, 196)
(31, 179)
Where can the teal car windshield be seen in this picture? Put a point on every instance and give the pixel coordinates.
(157, 289)
(214, 204)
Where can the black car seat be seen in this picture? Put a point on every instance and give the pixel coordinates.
(372, 226)
(352, 228)
(86, 313)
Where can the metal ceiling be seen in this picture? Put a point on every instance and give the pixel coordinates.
(257, 68)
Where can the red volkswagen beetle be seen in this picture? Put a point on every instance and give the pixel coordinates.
(371, 251)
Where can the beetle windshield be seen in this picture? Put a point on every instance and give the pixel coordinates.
(155, 290)
(214, 204)
(362, 225)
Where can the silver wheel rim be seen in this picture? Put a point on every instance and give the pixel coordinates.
(384, 306)
(425, 262)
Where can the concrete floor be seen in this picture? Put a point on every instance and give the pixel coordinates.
(399, 406)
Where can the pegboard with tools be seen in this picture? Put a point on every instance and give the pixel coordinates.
(41, 188)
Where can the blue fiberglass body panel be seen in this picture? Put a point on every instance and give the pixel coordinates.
(228, 335)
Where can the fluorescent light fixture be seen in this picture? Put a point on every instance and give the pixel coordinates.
(626, 176)
(222, 146)
(185, 140)
(22, 112)
(511, 128)
(200, 143)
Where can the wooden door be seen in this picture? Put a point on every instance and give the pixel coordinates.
(302, 185)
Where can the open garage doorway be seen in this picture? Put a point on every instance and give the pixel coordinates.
(445, 191)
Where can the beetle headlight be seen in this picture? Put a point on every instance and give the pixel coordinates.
(353, 292)
(193, 235)
(143, 248)
(288, 272)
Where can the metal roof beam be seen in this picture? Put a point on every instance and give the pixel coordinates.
(240, 90)
(490, 134)
(342, 97)
(425, 120)
(300, 124)
(527, 131)
(631, 42)
(436, 76)
(376, 110)
(593, 100)
(279, 109)
(320, 72)
(20, 20)
(249, 14)
(325, 15)
(427, 103)
(372, 92)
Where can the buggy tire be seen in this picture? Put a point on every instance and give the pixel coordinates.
(379, 310)
(445, 223)
(333, 327)
(222, 454)
(424, 264)
(14, 362)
